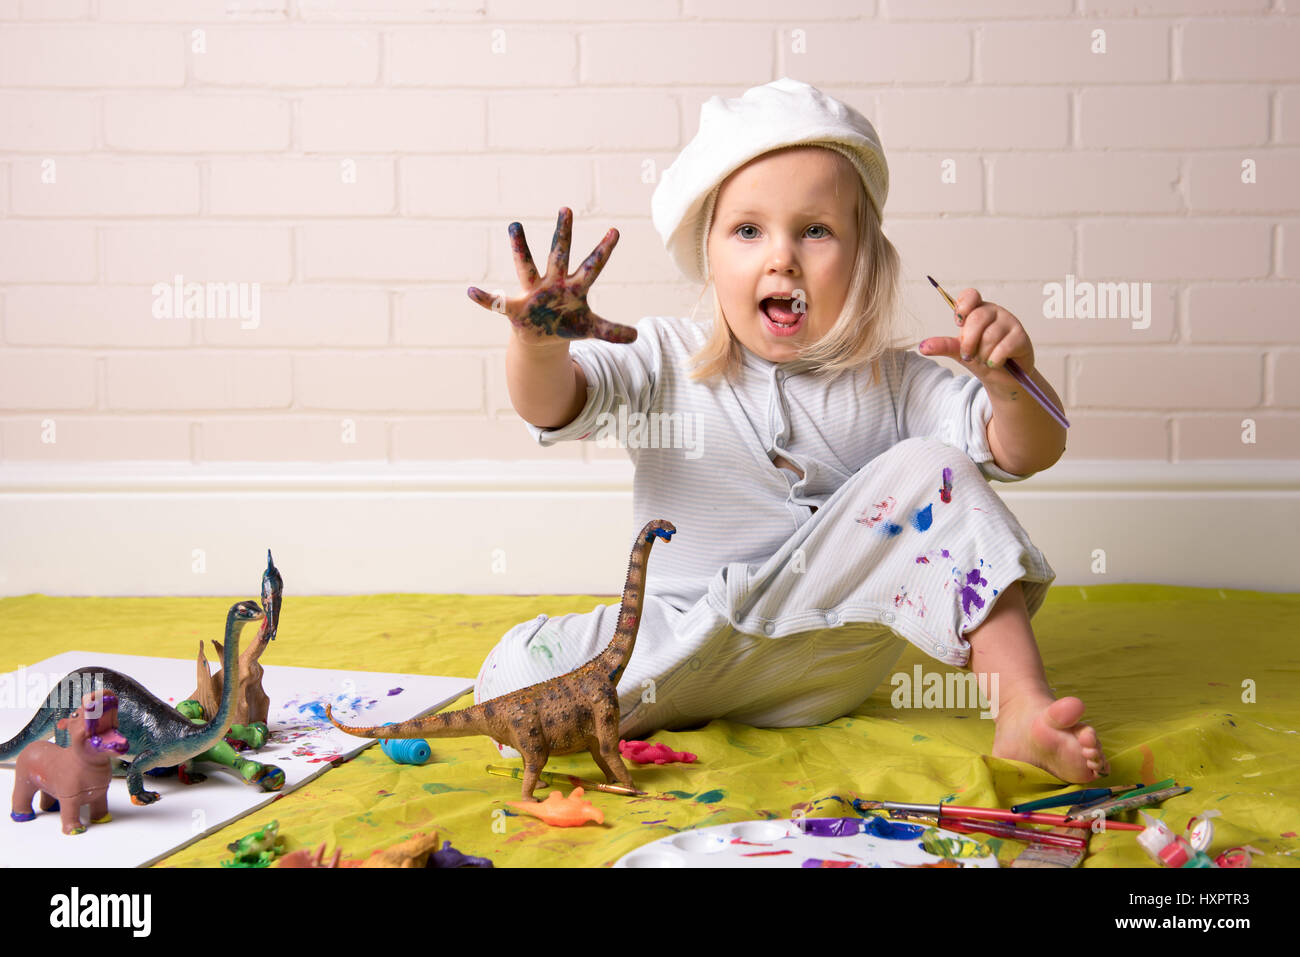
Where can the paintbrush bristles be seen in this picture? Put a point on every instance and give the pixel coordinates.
(951, 302)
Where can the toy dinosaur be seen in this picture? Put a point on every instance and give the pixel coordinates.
(268, 777)
(560, 811)
(572, 712)
(258, 849)
(156, 733)
(252, 705)
(418, 851)
(69, 777)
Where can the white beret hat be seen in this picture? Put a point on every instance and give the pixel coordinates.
(784, 112)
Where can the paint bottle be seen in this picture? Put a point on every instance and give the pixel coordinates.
(406, 750)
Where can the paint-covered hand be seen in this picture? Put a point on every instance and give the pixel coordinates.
(554, 307)
(990, 335)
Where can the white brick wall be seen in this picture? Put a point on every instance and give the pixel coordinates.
(360, 161)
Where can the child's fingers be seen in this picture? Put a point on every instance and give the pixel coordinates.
(497, 303)
(973, 330)
(967, 301)
(593, 264)
(611, 331)
(1006, 346)
(558, 264)
(940, 346)
(524, 267)
(990, 341)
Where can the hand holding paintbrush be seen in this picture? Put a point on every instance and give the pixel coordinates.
(993, 345)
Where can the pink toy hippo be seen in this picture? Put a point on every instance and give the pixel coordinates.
(79, 774)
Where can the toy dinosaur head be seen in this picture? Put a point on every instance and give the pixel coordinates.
(272, 591)
(245, 611)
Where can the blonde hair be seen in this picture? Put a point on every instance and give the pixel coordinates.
(867, 326)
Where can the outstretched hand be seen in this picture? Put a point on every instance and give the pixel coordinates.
(990, 335)
(554, 307)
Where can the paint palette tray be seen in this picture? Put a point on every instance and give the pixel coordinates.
(813, 842)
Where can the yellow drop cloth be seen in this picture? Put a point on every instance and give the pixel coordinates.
(1163, 671)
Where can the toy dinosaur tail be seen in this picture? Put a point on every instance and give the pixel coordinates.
(449, 724)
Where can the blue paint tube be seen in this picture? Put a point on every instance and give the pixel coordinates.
(406, 750)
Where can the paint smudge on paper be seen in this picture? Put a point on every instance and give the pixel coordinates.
(766, 853)
(312, 709)
(309, 752)
(945, 490)
(393, 691)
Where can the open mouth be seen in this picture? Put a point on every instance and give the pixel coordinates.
(781, 317)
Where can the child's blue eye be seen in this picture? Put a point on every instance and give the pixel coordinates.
(824, 231)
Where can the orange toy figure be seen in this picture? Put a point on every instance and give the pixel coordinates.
(560, 811)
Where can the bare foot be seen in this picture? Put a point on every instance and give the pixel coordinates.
(1046, 732)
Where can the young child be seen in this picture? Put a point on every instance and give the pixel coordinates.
(825, 513)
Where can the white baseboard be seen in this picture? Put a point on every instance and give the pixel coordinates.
(485, 527)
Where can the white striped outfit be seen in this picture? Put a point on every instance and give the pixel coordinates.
(761, 610)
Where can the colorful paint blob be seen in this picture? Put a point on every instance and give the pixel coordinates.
(819, 862)
(934, 843)
(891, 830)
(923, 518)
(832, 826)
(969, 595)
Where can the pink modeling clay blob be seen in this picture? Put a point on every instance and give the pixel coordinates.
(643, 752)
(560, 811)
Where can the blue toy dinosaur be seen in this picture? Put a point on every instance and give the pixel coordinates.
(157, 734)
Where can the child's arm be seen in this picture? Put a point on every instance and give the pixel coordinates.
(545, 384)
(535, 377)
(1034, 440)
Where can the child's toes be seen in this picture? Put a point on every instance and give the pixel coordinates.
(1064, 713)
(1087, 738)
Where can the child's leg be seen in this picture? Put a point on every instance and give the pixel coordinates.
(1032, 724)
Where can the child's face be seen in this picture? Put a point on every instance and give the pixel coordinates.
(779, 225)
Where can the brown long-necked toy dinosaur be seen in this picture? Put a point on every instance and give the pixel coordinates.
(577, 711)
(252, 703)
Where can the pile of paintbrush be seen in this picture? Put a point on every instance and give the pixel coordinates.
(1069, 832)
